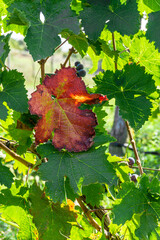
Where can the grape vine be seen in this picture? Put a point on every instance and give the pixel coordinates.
(63, 173)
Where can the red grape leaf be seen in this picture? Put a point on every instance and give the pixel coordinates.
(56, 101)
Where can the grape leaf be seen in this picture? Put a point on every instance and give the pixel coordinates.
(144, 204)
(79, 42)
(154, 5)
(153, 31)
(81, 168)
(130, 91)
(51, 219)
(122, 18)
(146, 55)
(58, 16)
(14, 210)
(4, 48)
(6, 176)
(85, 232)
(73, 128)
(93, 193)
(13, 93)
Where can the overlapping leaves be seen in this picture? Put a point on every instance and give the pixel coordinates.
(122, 18)
(140, 201)
(130, 88)
(42, 37)
(81, 168)
(51, 220)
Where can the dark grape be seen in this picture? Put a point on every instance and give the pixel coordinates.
(79, 67)
(81, 73)
(131, 161)
(134, 177)
(76, 63)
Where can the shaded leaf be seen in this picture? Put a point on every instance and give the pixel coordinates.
(93, 193)
(13, 93)
(122, 18)
(153, 28)
(6, 176)
(81, 168)
(51, 220)
(57, 102)
(39, 33)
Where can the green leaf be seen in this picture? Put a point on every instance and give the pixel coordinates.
(148, 224)
(42, 38)
(102, 138)
(6, 177)
(138, 200)
(22, 137)
(122, 18)
(15, 211)
(95, 60)
(81, 168)
(153, 4)
(51, 220)
(146, 55)
(130, 91)
(83, 232)
(19, 18)
(153, 32)
(143, 8)
(13, 93)
(4, 48)
(93, 193)
(79, 42)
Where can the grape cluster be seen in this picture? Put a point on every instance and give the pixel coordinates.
(80, 71)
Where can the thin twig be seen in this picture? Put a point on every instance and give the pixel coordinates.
(149, 169)
(114, 47)
(16, 156)
(61, 44)
(134, 148)
(104, 209)
(72, 50)
(125, 50)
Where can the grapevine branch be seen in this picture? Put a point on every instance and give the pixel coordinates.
(134, 148)
(149, 169)
(101, 213)
(88, 215)
(42, 65)
(16, 156)
(72, 50)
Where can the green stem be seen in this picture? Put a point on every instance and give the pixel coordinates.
(10, 223)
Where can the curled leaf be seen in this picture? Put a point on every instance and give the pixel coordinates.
(56, 101)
